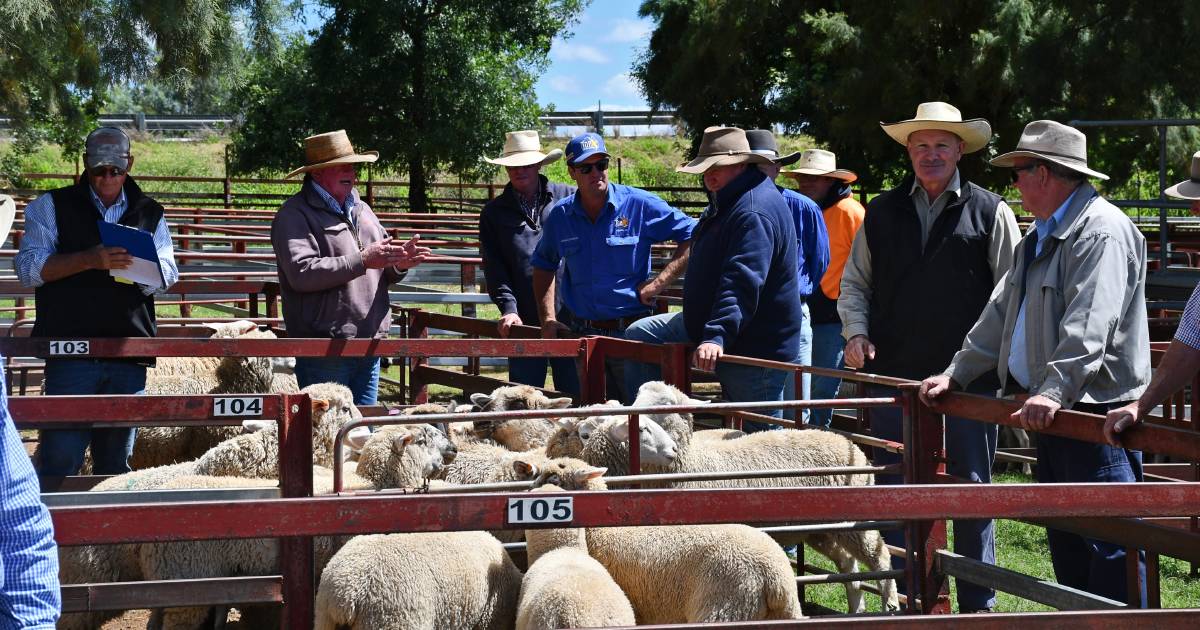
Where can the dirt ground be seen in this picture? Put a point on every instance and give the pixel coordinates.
(136, 620)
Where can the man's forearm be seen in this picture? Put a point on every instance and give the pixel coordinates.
(59, 266)
(674, 267)
(543, 293)
(1177, 368)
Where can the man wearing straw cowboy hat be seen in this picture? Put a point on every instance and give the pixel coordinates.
(509, 228)
(812, 251)
(335, 264)
(63, 256)
(920, 271)
(1182, 359)
(1067, 329)
(602, 234)
(740, 294)
(818, 178)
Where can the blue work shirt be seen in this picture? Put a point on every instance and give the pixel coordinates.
(608, 259)
(1018, 365)
(812, 238)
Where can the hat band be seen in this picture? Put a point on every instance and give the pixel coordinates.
(766, 152)
(1054, 154)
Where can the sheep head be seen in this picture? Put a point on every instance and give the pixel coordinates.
(565, 472)
(514, 398)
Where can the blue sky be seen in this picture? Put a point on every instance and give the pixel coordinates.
(593, 64)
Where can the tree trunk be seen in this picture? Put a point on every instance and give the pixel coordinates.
(418, 199)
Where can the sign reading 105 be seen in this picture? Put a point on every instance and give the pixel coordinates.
(540, 510)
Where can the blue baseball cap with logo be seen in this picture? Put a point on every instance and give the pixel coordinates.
(584, 146)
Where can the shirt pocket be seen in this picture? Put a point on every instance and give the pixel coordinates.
(338, 240)
(621, 254)
(572, 253)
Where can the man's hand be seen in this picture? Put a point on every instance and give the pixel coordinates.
(1037, 413)
(706, 355)
(508, 321)
(409, 254)
(859, 350)
(551, 328)
(649, 290)
(935, 386)
(102, 257)
(1118, 420)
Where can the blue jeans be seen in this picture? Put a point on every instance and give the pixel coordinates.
(804, 358)
(827, 347)
(360, 374)
(61, 451)
(532, 371)
(970, 451)
(662, 328)
(1088, 564)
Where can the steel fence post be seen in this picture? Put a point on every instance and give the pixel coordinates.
(924, 459)
(295, 480)
(593, 374)
(675, 368)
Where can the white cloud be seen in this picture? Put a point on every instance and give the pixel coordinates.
(563, 51)
(566, 85)
(627, 30)
(622, 86)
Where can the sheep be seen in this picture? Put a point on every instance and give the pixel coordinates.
(608, 445)
(565, 587)
(404, 456)
(786, 448)
(257, 454)
(517, 435)
(686, 573)
(428, 581)
(572, 432)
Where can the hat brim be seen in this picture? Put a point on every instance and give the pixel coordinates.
(842, 174)
(787, 160)
(527, 158)
(1006, 161)
(701, 164)
(975, 133)
(356, 158)
(8, 214)
(1184, 190)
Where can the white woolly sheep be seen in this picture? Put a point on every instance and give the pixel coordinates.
(608, 445)
(565, 587)
(428, 581)
(687, 573)
(404, 456)
(772, 450)
(517, 435)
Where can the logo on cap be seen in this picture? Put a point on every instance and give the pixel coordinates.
(589, 143)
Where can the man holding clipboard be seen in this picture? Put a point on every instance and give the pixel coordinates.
(84, 288)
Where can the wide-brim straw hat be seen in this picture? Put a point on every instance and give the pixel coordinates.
(822, 163)
(524, 148)
(975, 132)
(8, 214)
(1053, 142)
(1190, 188)
(722, 146)
(330, 149)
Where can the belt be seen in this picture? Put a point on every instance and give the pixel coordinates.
(610, 324)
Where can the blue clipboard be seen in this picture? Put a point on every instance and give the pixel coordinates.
(140, 244)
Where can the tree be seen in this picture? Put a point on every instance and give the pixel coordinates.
(58, 59)
(835, 68)
(430, 84)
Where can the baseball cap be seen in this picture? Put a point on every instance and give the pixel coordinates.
(584, 146)
(107, 146)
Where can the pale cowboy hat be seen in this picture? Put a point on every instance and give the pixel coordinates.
(823, 163)
(762, 142)
(722, 146)
(975, 132)
(8, 214)
(1053, 142)
(1189, 189)
(524, 148)
(330, 149)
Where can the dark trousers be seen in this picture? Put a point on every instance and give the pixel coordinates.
(1084, 563)
(532, 371)
(970, 450)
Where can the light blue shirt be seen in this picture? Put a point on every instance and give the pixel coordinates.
(346, 209)
(41, 240)
(1018, 365)
(29, 592)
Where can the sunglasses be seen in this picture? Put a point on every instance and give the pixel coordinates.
(106, 171)
(600, 165)
(1015, 174)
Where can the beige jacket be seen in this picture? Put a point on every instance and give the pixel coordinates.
(1086, 332)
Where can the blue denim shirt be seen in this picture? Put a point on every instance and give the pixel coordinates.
(812, 237)
(608, 259)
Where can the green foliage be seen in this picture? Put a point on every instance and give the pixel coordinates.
(430, 84)
(58, 59)
(835, 68)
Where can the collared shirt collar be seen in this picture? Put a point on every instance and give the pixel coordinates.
(615, 197)
(120, 202)
(1045, 228)
(346, 210)
(955, 187)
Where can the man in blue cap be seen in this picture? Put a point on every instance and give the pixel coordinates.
(603, 233)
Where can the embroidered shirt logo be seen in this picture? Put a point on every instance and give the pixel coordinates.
(622, 223)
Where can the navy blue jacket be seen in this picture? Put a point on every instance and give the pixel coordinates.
(741, 291)
(507, 237)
